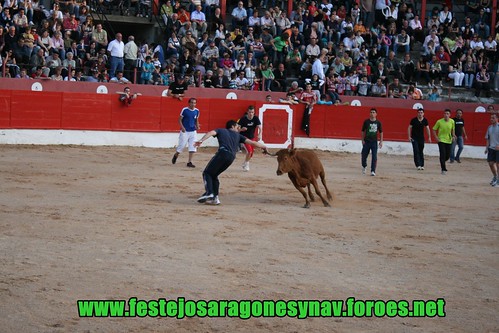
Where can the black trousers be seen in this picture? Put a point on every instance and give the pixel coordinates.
(444, 150)
(218, 164)
(417, 148)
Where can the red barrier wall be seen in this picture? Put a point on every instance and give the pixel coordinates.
(83, 111)
(151, 90)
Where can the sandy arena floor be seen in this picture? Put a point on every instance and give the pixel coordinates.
(117, 222)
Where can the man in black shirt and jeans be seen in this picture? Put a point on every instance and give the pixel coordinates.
(460, 137)
(416, 137)
(369, 136)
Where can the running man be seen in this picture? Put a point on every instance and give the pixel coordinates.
(229, 140)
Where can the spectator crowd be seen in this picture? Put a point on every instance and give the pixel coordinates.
(362, 47)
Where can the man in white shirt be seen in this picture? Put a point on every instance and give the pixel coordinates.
(445, 16)
(116, 48)
(318, 69)
(432, 36)
(313, 49)
(476, 43)
(417, 29)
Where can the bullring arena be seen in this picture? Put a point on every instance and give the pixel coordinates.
(114, 222)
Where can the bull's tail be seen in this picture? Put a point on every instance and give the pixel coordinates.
(323, 180)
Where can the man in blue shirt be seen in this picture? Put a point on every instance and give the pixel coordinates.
(239, 16)
(189, 124)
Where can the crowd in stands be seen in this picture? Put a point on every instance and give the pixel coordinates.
(339, 47)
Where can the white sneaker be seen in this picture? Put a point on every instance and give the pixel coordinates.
(444, 172)
(494, 180)
(205, 197)
(364, 170)
(422, 168)
(246, 166)
(373, 173)
(213, 201)
(419, 168)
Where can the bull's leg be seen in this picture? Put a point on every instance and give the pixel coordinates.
(316, 186)
(310, 194)
(323, 180)
(302, 191)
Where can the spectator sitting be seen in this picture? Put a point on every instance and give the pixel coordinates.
(290, 99)
(239, 16)
(378, 89)
(198, 20)
(119, 78)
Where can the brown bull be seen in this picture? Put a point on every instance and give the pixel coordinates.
(303, 167)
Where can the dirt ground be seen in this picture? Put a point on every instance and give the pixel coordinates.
(117, 222)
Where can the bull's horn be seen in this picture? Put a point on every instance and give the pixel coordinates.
(269, 153)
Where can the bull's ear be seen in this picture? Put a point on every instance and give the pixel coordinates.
(292, 152)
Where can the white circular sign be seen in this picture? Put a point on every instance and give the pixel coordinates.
(417, 106)
(164, 93)
(355, 102)
(37, 86)
(480, 109)
(102, 90)
(231, 95)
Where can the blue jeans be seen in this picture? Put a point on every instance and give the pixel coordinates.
(417, 148)
(218, 164)
(117, 64)
(460, 143)
(373, 147)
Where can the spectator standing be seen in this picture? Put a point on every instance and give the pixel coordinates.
(130, 53)
(116, 48)
(309, 98)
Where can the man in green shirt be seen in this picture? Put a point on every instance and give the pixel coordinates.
(444, 133)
